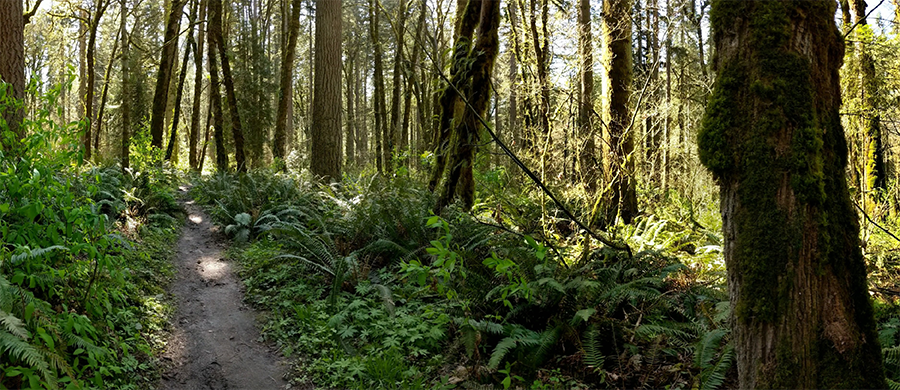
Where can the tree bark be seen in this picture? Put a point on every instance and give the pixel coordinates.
(618, 165)
(105, 93)
(164, 75)
(874, 180)
(237, 132)
(587, 162)
(378, 76)
(392, 138)
(215, 95)
(772, 137)
(467, 14)
(349, 72)
(12, 68)
(179, 93)
(460, 178)
(91, 74)
(286, 90)
(193, 158)
(127, 91)
(325, 158)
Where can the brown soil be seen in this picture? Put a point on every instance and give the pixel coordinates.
(214, 342)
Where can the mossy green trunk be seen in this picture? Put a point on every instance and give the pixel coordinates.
(618, 165)
(466, 133)
(869, 121)
(773, 139)
(466, 20)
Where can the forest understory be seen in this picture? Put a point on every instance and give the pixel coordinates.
(438, 194)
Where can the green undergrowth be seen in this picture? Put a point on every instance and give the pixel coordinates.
(84, 253)
(364, 288)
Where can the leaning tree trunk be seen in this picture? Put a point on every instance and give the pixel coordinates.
(164, 75)
(467, 133)
(127, 91)
(467, 19)
(12, 66)
(286, 90)
(325, 155)
(237, 132)
(618, 164)
(772, 137)
(179, 93)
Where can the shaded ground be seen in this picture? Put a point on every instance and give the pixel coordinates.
(213, 344)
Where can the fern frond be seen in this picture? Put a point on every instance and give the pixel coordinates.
(715, 375)
(590, 344)
(500, 351)
(19, 349)
(14, 325)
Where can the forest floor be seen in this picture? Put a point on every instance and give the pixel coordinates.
(214, 343)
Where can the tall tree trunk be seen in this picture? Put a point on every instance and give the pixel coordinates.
(349, 72)
(587, 162)
(482, 57)
(179, 93)
(467, 14)
(215, 95)
(772, 137)
(618, 164)
(362, 132)
(103, 95)
(164, 75)
(873, 148)
(237, 132)
(378, 99)
(286, 90)
(127, 90)
(91, 74)
(411, 88)
(513, 113)
(325, 160)
(392, 137)
(193, 158)
(12, 67)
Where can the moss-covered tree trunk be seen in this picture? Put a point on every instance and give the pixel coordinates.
(12, 67)
(466, 133)
(587, 162)
(164, 74)
(466, 20)
(286, 88)
(870, 127)
(618, 163)
(215, 95)
(772, 137)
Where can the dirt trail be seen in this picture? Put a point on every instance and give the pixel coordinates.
(214, 341)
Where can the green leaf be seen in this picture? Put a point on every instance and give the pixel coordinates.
(584, 315)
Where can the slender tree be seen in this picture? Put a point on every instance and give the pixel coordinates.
(286, 90)
(587, 163)
(164, 75)
(237, 132)
(326, 120)
(378, 76)
(874, 178)
(618, 164)
(772, 137)
(126, 90)
(215, 95)
(193, 158)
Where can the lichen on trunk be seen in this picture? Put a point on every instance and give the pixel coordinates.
(772, 137)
